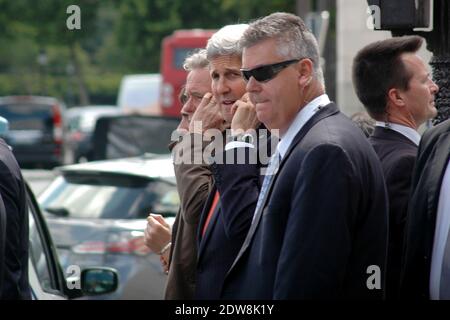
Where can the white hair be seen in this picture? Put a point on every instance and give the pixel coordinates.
(226, 41)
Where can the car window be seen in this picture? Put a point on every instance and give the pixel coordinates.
(110, 197)
(27, 116)
(38, 256)
(180, 55)
(74, 123)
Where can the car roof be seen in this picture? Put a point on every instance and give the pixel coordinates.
(29, 99)
(146, 166)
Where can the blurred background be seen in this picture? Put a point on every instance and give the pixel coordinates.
(40, 56)
(98, 80)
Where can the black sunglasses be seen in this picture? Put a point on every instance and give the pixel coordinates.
(266, 72)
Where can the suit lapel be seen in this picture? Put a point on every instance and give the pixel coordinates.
(328, 110)
(204, 215)
(211, 224)
(437, 171)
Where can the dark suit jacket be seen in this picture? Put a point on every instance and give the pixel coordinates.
(397, 155)
(323, 222)
(238, 186)
(432, 160)
(12, 190)
(194, 182)
(2, 241)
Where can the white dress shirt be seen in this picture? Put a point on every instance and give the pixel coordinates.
(302, 117)
(408, 132)
(440, 235)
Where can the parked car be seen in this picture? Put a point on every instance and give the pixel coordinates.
(96, 212)
(36, 131)
(47, 279)
(139, 93)
(80, 125)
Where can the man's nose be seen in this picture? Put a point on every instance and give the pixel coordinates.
(222, 86)
(252, 85)
(434, 87)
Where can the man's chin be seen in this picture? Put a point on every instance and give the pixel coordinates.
(433, 112)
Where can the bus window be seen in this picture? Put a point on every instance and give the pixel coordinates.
(175, 48)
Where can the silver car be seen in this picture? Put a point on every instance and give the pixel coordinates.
(48, 281)
(97, 211)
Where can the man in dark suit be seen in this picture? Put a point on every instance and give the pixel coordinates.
(228, 211)
(320, 226)
(15, 263)
(426, 261)
(394, 85)
(2, 241)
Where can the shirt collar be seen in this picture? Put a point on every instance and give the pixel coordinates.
(301, 118)
(408, 132)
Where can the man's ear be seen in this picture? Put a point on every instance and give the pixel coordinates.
(306, 70)
(395, 97)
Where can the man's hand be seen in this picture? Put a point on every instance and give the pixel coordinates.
(157, 234)
(244, 116)
(207, 116)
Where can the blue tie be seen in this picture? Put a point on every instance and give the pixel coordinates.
(270, 173)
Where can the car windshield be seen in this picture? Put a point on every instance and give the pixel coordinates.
(27, 116)
(95, 196)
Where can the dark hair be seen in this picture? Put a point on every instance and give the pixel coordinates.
(377, 68)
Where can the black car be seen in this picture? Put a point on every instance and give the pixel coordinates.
(36, 131)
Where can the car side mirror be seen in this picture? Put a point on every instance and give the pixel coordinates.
(99, 280)
(4, 127)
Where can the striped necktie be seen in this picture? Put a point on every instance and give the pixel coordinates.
(271, 171)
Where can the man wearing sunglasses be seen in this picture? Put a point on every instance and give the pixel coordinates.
(320, 225)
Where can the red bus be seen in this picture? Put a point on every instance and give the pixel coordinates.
(175, 48)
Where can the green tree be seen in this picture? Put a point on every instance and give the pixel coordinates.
(143, 24)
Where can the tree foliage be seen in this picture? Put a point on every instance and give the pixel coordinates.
(116, 37)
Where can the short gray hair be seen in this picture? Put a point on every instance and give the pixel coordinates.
(225, 42)
(294, 39)
(196, 60)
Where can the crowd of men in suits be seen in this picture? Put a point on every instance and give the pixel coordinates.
(331, 206)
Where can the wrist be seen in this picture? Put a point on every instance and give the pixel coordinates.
(165, 248)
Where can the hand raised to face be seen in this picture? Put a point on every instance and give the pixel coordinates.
(244, 116)
(207, 116)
